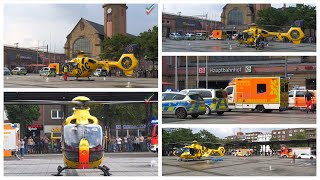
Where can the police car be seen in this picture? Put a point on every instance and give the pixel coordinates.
(183, 104)
(216, 99)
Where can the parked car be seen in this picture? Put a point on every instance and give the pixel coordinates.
(216, 99)
(175, 36)
(201, 36)
(189, 36)
(6, 71)
(183, 104)
(306, 156)
(19, 70)
(100, 72)
(47, 71)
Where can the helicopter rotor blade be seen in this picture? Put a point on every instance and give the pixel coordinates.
(42, 102)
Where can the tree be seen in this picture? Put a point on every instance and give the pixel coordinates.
(299, 135)
(112, 48)
(23, 114)
(205, 136)
(278, 18)
(148, 43)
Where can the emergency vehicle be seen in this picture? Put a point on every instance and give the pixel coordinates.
(297, 98)
(263, 94)
(154, 137)
(289, 152)
(218, 35)
(216, 99)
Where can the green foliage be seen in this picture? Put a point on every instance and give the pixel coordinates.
(280, 18)
(112, 48)
(299, 135)
(182, 135)
(148, 43)
(24, 114)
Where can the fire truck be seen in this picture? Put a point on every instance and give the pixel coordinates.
(154, 137)
(289, 152)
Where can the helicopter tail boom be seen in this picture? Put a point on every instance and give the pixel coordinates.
(295, 34)
(126, 63)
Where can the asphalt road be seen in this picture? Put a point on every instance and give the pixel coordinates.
(239, 166)
(120, 164)
(231, 46)
(36, 81)
(246, 117)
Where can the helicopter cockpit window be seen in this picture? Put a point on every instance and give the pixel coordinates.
(74, 133)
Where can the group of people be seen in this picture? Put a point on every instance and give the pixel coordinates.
(128, 144)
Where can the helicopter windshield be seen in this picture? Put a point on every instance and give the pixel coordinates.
(74, 133)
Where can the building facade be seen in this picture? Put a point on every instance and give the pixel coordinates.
(187, 24)
(285, 134)
(252, 136)
(88, 36)
(194, 72)
(30, 58)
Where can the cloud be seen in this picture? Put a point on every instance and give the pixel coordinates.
(51, 23)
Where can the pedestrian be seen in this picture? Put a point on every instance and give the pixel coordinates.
(16, 152)
(65, 72)
(126, 143)
(141, 140)
(258, 39)
(119, 140)
(308, 98)
(136, 144)
(45, 144)
(21, 144)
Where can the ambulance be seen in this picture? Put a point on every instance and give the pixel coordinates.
(297, 98)
(262, 94)
(218, 35)
(154, 137)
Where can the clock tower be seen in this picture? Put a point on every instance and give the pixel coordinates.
(115, 19)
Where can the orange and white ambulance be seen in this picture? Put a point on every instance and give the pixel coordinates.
(263, 94)
(297, 98)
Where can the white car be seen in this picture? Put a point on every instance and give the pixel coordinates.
(306, 156)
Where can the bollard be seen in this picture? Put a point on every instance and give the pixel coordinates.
(47, 79)
(230, 47)
(104, 78)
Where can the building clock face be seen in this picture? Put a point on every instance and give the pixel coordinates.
(109, 10)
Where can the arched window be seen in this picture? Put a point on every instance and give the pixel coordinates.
(235, 17)
(81, 44)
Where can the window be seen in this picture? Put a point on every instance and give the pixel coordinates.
(168, 22)
(290, 134)
(229, 90)
(56, 114)
(235, 17)
(261, 88)
(178, 97)
(300, 93)
(279, 132)
(291, 93)
(168, 60)
(162, 21)
(283, 132)
(274, 133)
(221, 94)
(82, 44)
(301, 130)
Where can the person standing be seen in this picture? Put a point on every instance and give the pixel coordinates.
(141, 140)
(119, 144)
(126, 143)
(65, 72)
(308, 98)
(21, 144)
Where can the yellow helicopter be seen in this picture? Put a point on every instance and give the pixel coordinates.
(82, 137)
(196, 151)
(83, 66)
(249, 36)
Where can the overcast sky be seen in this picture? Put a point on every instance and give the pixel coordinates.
(214, 10)
(224, 132)
(29, 24)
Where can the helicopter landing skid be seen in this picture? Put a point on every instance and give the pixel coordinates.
(60, 169)
(105, 170)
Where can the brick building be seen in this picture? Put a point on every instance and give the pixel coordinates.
(285, 134)
(301, 70)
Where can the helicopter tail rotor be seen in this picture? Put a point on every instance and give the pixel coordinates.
(295, 34)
